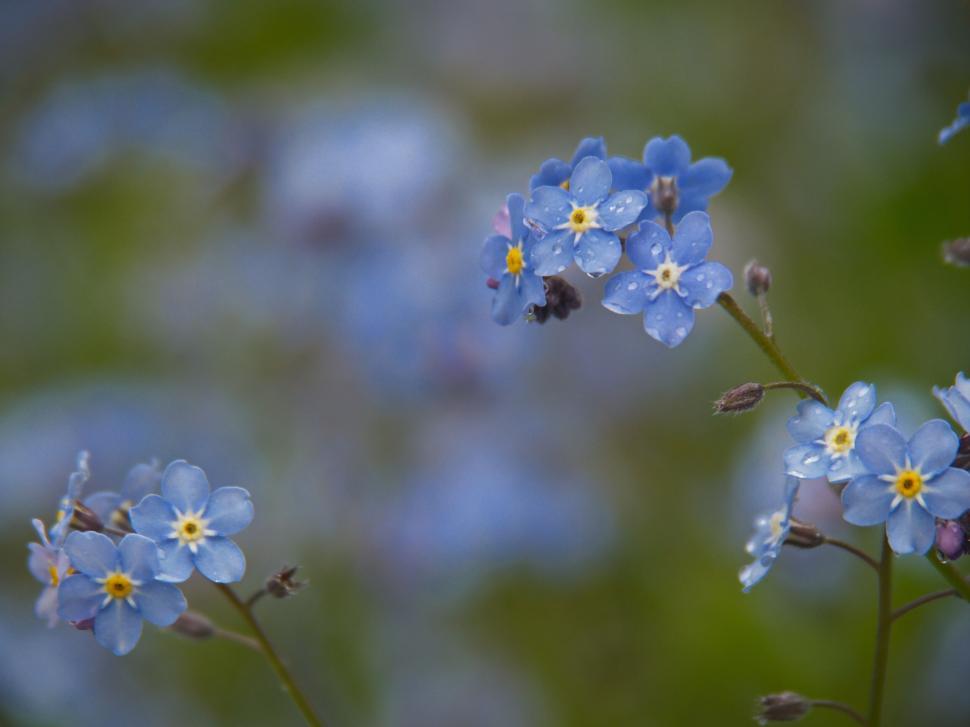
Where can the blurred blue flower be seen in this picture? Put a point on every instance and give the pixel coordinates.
(911, 483)
(826, 439)
(191, 525)
(112, 507)
(672, 279)
(118, 587)
(65, 507)
(961, 122)
(956, 399)
(769, 537)
(49, 564)
(672, 183)
(581, 221)
(507, 260)
(555, 172)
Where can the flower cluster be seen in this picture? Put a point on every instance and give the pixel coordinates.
(111, 560)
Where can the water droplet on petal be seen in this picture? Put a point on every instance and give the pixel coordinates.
(632, 286)
(656, 249)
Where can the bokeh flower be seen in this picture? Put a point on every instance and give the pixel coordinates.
(769, 536)
(961, 122)
(956, 399)
(113, 507)
(555, 172)
(49, 564)
(65, 507)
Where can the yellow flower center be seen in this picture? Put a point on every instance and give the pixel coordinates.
(840, 439)
(565, 185)
(667, 275)
(191, 529)
(514, 261)
(909, 483)
(55, 578)
(775, 524)
(118, 585)
(582, 219)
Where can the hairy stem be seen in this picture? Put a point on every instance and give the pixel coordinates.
(766, 320)
(883, 629)
(839, 707)
(950, 574)
(798, 386)
(849, 548)
(286, 679)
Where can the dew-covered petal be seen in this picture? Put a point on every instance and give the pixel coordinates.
(621, 209)
(591, 146)
(910, 528)
(668, 319)
(549, 207)
(552, 173)
(153, 517)
(93, 554)
(843, 469)
(753, 573)
(507, 305)
(705, 177)
(174, 562)
(703, 283)
(858, 401)
(647, 247)
(692, 239)
(515, 203)
(160, 603)
(185, 486)
(810, 423)
(139, 557)
(667, 157)
(103, 504)
(117, 627)
(78, 598)
(881, 448)
(629, 174)
(948, 494)
(885, 413)
(806, 461)
(532, 289)
(494, 255)
(933, 447)
(220, 560)
(626, 292)
(229, 510)
(598, 252)
(553, 253)
(591, 181)
(141, 480)
(867, 500)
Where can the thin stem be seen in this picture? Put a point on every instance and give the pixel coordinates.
(766, 319)
(922, 600)
(237, 637)
(669, 223)
(839, 707)
(950, 574)
(849, 548)
(286, 679)
(883, 628)
(255, 597)
(806, 389)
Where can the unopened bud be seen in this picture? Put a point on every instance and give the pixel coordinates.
(83, 625)
(664, 195)
(740, 399)
(804, 535)
(282, 584)
(784, 707)
(492, 283)
(757, 277)
(561, 300)
(85, 518)
(957, 252)
(193, 625)
(963, 453)
(951, 539)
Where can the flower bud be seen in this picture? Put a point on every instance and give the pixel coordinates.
(194, 625)
(664, 195)
(804, 535)
(561, 300)
(757, 277)
(963, 453)
(740, 399)
(784, 707)
(492, 283)
(85, 518)
(951, 539)
(282, 584)
(957, 252)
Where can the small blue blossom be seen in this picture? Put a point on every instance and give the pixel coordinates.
(581, 222)
(910, 484)
(556, 172)
(508, 260)
(112, 507)
(826, 439)
(49, 564)
(118, 587)
(961, 122)
(191, 525)
(956, 399)
(672, 278)
(770, 532)
(672, 183)
(65, 507)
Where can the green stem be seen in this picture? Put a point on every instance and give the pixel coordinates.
(950, 574)
(286, 679)
(838, 707)
(922, 601)
(883, 628)
(798, 386)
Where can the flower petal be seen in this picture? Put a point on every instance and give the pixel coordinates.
(117, 627)
(93, 554)
(957, 403)
(621, 209)
(553, 253)
(174, 562)
(845, 468)
(910, 528)
(667, 157)
(948, 494)
(626, 293)
(881, 448)
(515, 204)
(810, 423)
(591, 146)
(806, 461)
(507, 305)
(229, 510)
(591, 181)
(867, 500)
(858, 401)
(885, 413)
(933, 447)
(549, 207)
(40, 561)
(139, 557)
(220, 560)
(154, 518)
(703, 283)
(692, 239)
(532, 289)
(78, 598)
(668, 319)
(495, 252)
(141, 479)
(754, 572)
(598, 252)
(705, 177)
(185, 486)
(552, 173)
(647, 247)
(629, 174)
(45, 608)
(160, 603)
(103, 504)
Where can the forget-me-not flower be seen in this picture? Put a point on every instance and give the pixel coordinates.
(674, 186)
(65, 507)
(910, 484)
(118, 587)
(112, 507)
(581, 222)
(49, 564)
(508, 260)
(672, 278)
(956, 399)
(191, 525)
(770, 532)
(556, 172)
(961, 122)
(826, 438)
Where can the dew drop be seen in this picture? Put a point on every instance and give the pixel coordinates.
(656, 249)
(810, 459)
(632, 286)
(681, 331)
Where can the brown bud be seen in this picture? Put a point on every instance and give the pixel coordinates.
(561, 300)
(282, 584)
(664, 195)
(957, 252)
(757, 277)
(740, 399)
(85, 519)
(804, 535)
(784, 707)
(194, 625)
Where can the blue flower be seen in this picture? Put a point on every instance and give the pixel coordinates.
(673, 184)
(49, 564)
(911, 483)
(190, 525)
(961, 122)
(770, 532)
(671, 279)
(65, 508)
(556, 172)
(118, 587)
(826, 439)
(113, 507)
(508, 260)
(956, 399)
(581, 221)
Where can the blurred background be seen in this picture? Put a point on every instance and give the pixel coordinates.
(247, 234)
